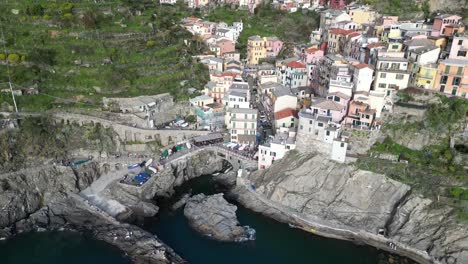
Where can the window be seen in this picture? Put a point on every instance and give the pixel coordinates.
(342, 144)
(460, 41)
(394, 46)
(454, 91)
(443, 79)
(447, 69)
(388, 93)
(456, 81)
(399, 76)
(320, 124)
(460, 70)
(310, 122)
(336, 99)
(301, 127)
(245, 125)
(382, 85)
(442, 88)
(253, 125)
(383, 75)
(461, 53)
(245, 116)
(328, 133)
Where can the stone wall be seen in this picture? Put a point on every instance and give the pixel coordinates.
(132, 134)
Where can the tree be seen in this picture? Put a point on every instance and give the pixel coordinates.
(13, 58)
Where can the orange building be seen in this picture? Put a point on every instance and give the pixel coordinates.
(452, 77)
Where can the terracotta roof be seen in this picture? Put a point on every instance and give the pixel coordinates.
(295, 64)
(228, 74)
(374, 45)
(286, 113)
(363, 65)
(354, 34)
(311, 50)
(340, 31)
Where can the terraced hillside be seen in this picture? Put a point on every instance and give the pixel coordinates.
(76, 53)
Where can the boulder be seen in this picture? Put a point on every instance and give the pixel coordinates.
(214, 217)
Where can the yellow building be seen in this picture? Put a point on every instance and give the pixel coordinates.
(362, 15)
(425, 75)
(256, 49)
(439, 42)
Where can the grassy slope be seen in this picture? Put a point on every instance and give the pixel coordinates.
(138, 68)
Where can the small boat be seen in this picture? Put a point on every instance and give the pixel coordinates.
(152, 169)
(148, 163)
(133, 166)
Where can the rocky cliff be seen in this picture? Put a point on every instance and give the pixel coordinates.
(215, 217)
(138, 200)
(342, 196)
(46, 197)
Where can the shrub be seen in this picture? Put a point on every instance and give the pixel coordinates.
(23, 58)
(2, 56)
(150, 43)
(13, 58)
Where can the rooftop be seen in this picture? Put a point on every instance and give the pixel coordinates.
(296, 65)
(243, 111)
(328, 105)
(288, 112)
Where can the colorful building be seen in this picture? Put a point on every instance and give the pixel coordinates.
(452, 77)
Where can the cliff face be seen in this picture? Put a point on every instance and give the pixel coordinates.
(46, 197)
(343, 196)
(23, 193)
(138, 200)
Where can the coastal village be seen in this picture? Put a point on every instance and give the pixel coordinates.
(263, 102)
(346, 78)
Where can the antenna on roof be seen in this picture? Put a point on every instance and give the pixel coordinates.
(8, 70)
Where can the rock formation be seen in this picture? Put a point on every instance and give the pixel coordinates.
(215, 217)
(137, 200)
(46, 198)
(342, 196)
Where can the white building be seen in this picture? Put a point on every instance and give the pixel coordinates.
(391, 75)
(276, 148)
(286, 118)
(237, 99)
(424, 55)
(283, 98)
(201, 100)
(295, 75)
(362, 77)
(168, 2)
(242, 124)
(345, 87)
(339, 149)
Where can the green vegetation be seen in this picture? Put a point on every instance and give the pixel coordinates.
(445, 116)
(267, 21)
(40, 138)
(435, 170)
(402, 8)
(77, 53)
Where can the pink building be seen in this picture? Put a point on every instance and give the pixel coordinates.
(389, 20)
(312, 55)
(442, 21)
(329, 108)
(225, 46)
(360, 114)
(274, 46)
